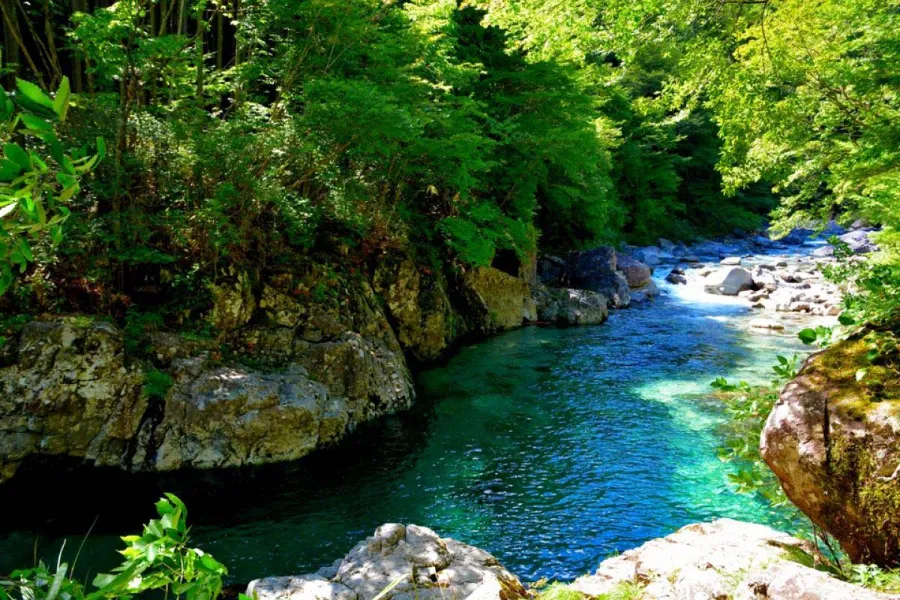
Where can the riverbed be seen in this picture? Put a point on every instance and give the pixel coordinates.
(550, 448)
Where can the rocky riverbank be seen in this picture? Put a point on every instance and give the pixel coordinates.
(300, 358)
(297, 360)
(721, 560)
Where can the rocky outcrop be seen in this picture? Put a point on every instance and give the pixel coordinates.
(833, 439)
(402, 563)
(324, 360)
(565, 307)
(721, 560)
(70, 391)
(418, 305)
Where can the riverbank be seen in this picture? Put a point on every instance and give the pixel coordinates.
(590, 440)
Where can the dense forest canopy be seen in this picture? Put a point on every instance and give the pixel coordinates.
(252, 132)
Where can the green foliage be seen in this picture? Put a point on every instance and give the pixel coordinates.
(748, 407)
(874, 577)
(156, 384)
(159, 560)
(37, 177)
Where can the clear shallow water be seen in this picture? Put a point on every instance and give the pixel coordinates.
(550, 448)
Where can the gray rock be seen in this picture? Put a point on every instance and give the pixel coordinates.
(859, 242)
(731, 261)
(564, 306)
(636, 273)
(596, 270)
(729, 281)
(719, 560)
(426, 566)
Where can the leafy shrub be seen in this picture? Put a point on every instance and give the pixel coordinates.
(158, 560)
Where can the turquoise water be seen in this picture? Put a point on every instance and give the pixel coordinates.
(551, 448)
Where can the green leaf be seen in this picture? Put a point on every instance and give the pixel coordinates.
(17, 154)
(808, 336)
(9, 170)
(845, 319)
(37, 125)
(25, 249)
(101, 149)
(61, 102)
(34, 93)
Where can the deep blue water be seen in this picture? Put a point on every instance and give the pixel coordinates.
(551, 448)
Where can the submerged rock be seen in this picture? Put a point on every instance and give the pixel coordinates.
(724, 559)
(729, 281)
(419, 564)
(833, 439)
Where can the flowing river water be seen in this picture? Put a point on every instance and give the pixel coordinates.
(550, 448)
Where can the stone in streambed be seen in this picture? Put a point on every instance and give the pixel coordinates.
(766, 324)
(636, 273)
(729, 281)
(565, 306)
(596, 270)
(731, 261)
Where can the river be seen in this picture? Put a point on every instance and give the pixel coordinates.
(550, 448)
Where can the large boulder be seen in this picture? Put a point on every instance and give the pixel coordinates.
(719, 560)
(729, 281)
(833, 439)
(563, 306)
(597, 270)
(402, 563)
(636, 273)
(496, 300)
(859, 241)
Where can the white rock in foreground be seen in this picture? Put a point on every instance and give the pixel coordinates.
(719, 560)
(428, 567)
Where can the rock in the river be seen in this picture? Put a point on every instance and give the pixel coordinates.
(636, 273)
(834, 442)
(766, 324)
(677, 277)
(721, 560)
(596, 270)
(563, 306)
(729, 281)
(732, 261)
(859, 241)
(427, 567)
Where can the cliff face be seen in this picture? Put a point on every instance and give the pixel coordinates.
(833, 439)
